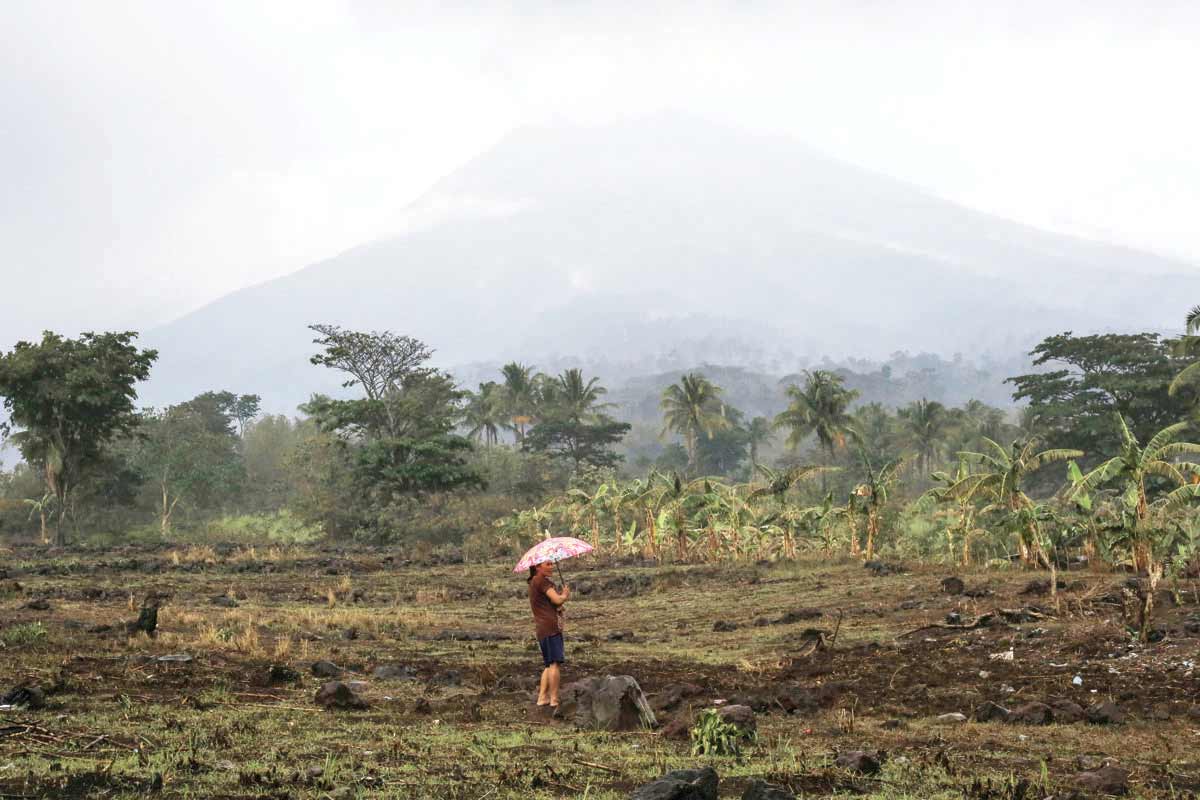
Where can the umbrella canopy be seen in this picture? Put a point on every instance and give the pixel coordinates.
(555, 549)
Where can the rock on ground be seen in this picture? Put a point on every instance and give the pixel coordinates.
(394, 672)
(681, 784)
(31, 697)
(761, 790)
(326, 669)
(336, 694)
(611, 703)
(741, 717)
(1106, 780)
(859, 761)
(1105, 714)
(991, 712)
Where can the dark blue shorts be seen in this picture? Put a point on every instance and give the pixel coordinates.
(552, 649)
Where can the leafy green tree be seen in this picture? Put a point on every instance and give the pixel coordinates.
(225, 412)
(924, 423)
(267, 445)
(871, 497)
(401, 435)
(820, 408)
(178, 450)
(1134, 467)
(571, 423)
(692, 408)
(1100, 375)
(69, 399)
(1188, 347)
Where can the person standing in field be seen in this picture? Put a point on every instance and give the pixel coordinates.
(547, 601)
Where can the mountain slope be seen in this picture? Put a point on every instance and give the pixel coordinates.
(620, 245)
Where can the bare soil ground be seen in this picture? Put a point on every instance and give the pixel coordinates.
(833, 657)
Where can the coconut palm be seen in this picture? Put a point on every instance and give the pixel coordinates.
(1133, 465)
(574, 398)
(1188, 345)
(924, 423)
(484, 415)
(520, 395)
(693, 408)
(996, 476)
(819, 408)
(758, 432)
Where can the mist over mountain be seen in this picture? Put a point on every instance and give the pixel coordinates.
(661, 243)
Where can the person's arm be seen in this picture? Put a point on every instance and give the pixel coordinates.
(557, 598)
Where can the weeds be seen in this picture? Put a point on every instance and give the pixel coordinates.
(23, 634)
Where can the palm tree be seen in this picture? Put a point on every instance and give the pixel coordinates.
(758, 432)
(924, 424)
(998, 479)
(819, 408)
(519, 396)
(484, 414)
(575, 398)
(1188, 345)
(690, 408)
(1133, 465)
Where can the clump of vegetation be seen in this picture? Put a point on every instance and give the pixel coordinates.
(714, 735)
(23, 634)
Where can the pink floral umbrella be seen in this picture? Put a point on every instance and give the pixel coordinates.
(556, 549)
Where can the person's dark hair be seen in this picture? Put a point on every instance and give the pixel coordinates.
(532, 572)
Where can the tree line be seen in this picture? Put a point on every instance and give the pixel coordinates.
(410, 454)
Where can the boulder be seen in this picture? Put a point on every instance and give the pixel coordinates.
(38, 604)
(394, 672)
(741, 717)
(953, 718)
(1105, 713)
(336, 694)
(953, 585)
(991, 712)
(724, 626)
(761, 790)
(800, 615)
(681, 784)
(679, 728)
(281, 673)
(671, 697)
(1066, 712)
(224, 601)
(1032, 714)
(611, 703)
(31, 697)
(859, 761)
(326, 669)
(1108, 780)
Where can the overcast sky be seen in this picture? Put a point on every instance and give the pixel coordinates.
(154, 156)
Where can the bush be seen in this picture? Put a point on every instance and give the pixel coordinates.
(282, 527)
(25, 633)
(715, 736)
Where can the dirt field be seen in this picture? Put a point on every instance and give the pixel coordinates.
(833, 658)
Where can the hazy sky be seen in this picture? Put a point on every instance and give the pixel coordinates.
(156, 155)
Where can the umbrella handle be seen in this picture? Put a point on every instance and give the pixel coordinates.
(562, 578)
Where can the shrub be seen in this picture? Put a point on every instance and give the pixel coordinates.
(716, 736)
(282, 527)
(25, 633)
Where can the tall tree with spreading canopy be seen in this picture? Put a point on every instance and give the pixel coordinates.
(401, 435)
(1100, 375)
(692, 408)
(68, 399)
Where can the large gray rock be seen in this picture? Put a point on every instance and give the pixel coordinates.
(1108, 780)
(681, 784)
(336, 694)
(611, 703)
